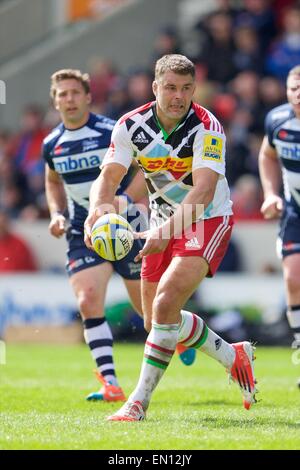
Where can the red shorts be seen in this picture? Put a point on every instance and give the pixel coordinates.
(207, 238)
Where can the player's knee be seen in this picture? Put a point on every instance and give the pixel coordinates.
(162, 306)
(87, 303)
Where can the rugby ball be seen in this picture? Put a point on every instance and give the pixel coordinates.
(112, 237)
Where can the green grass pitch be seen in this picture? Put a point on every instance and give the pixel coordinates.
(42, 406)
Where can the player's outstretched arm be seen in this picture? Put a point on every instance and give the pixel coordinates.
(56, 199)
(102, 195)
(270, 175)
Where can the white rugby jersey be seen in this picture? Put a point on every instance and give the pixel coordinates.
(168, 161)
(283, 131)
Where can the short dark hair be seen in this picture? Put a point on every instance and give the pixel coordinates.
(67, 74)
(176, 63)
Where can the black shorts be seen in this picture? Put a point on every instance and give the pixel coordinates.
(79, 257)
(289, 234)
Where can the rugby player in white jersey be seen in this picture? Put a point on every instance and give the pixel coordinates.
(279, 159)
(74, 151)
(180, 146)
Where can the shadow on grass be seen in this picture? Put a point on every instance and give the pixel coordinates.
(252, 423)
(244, 422)
(222, 403)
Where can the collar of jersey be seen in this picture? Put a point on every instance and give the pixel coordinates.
(89, 121)
(164, 132)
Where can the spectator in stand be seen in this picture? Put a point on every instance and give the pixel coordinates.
(242, 157)
(205, 91)
(228, 7)
(245, 89)
(285, 52)
(27, 153)
(247, 199)
(254, 142)
(247, 55)
(118, 101)
(271, 94)
(166, 42)
(236, 163)
(225, 7)
(224, 106)
(14, 194)
(259, 16)
(219, 43)
(139, 88)
(6, 143)
(279, 7)
(103, 78)
(15, 254)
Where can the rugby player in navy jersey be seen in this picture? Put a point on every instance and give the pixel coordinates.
(180, 147)
(279, 159)
(73, 152)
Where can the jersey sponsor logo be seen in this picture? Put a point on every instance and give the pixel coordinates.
(282, 134)
(193, 244)
(134, 268)
(166, 163)
(291, 246)
(285, 135)
(212, 148)
(60, 150)
(75, 163)
(141, 138)
(90, 144)
(291, 152)
(75, 263)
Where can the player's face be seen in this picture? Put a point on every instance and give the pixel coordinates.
(173, 96)
(293, 93)
(72, 102)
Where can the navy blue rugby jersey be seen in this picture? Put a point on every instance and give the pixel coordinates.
(283, 131)
(77, 155)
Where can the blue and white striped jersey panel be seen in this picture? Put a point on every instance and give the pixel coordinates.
(76, 156)
(283, 130)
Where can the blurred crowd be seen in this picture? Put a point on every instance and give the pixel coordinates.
(242, 56)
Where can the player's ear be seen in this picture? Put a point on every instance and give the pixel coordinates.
(154, 87)
(89, 98)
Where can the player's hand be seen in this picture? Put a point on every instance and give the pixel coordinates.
(57, 226)
(155, 243)
(91, 219)
(88, 224)
(272, 207)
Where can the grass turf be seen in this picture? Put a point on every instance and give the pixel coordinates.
(42, 406)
